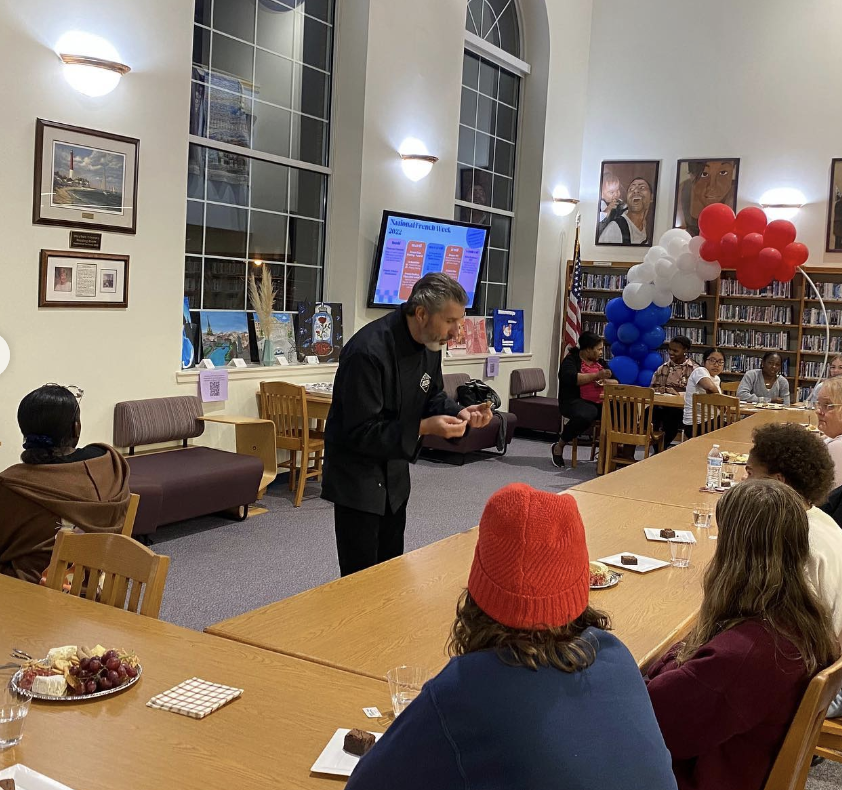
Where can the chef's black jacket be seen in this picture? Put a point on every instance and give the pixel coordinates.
(386, 384)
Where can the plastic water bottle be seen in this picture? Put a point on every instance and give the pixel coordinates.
(714, 472)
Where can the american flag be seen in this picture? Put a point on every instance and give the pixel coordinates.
(573, 315)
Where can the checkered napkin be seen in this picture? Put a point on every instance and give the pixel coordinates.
(195, 698)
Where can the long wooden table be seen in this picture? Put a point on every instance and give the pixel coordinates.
(400, 612)
(268, 738)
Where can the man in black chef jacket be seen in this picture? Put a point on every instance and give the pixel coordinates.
(387, 395)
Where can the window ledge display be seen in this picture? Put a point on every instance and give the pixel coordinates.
(461, 359)
(300, 372)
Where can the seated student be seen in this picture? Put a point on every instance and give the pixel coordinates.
(580, 389)
(834, 369)
(56, 485)
(704, 379)
(725, 698)
(765, 382)
(829, 412)
(672, 378)
(538, 694)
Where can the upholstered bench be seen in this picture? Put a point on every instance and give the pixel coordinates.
(534, 412)
(477, 438)
(190, 481)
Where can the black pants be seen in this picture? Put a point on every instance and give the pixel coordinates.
(364, 539)
(668, 420)
(581, 414)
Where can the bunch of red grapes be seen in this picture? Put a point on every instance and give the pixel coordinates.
(101, 674)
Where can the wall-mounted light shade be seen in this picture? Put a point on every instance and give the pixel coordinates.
(782, 203)
(416, 160)
(5, 355)
(562, 206)
(91, 65)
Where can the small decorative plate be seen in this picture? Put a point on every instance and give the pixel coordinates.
(73, 697)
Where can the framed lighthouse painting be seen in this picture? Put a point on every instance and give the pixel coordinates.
(85, 178)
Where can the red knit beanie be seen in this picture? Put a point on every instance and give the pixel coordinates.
(530, 566)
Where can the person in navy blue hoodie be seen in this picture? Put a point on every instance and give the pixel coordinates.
(538, 695)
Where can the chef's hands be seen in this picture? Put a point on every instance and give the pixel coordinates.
(477, 416)
(443, 425)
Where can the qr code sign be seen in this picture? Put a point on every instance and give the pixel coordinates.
(214, 388)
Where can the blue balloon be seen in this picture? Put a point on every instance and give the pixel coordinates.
(664, 314)
(654, 338)
(644, 379)
(610, 333)
(618, 311)
(619, 349)
(625, 370)
(628, 333)
(648, 317)
(652, 362)
(638, 351)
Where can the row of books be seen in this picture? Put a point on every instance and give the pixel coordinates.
(729, 286)
(740, 363)
(753, 338)
(830, 290)
(817, 343)
(767, 314)
(815, 317)
(604, 282)
(812, 370)
(593, 304)
(802, 394)
(697, 334)
(696, 310)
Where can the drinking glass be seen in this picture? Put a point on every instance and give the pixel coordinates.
(702, 514)
(13, 709)
(405, 685)
(680, 551)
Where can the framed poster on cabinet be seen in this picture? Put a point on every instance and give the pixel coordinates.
(70, 278)
(85, 178)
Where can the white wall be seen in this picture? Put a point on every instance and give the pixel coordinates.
(754, 80)
(111, 354)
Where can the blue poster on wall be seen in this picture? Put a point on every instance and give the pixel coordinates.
(508, 330)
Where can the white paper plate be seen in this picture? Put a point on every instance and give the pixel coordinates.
(653, 533)
(644, 564)
(27, 779)
(334, 759)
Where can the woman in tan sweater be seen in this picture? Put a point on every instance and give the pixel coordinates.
(56, 485)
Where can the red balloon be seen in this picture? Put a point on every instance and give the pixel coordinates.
(709, 250)
(795, 254)
(750, 220)
(752, 243)
(751, 275)
(784, 272)
(716, 220)
(779, 233)
(729, 248)
(769, 259)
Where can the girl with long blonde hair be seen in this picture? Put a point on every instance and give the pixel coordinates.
(725, 697)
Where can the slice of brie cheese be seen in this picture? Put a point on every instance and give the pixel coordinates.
(49, 685)
(61, 653)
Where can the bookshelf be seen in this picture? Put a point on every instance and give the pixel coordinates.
(745, 324)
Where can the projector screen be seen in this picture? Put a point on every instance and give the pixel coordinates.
(410, 247)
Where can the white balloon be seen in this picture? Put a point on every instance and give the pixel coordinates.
(662, 281)
(634, 275)
(677, 248)
(647, 271)
(674, 233)
(637, 296)
(687, 286)
(708, 270)
(655, 253)
(663, 297)
(665, 267)
(695, 244)
(687, 262)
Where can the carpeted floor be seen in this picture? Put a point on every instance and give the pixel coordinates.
(221, 568)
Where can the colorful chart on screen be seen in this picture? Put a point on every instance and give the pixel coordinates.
(411, 247)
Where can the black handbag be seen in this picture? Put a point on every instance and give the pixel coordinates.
(474, 392)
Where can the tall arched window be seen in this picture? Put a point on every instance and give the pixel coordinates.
(488, 124)
(258, 162)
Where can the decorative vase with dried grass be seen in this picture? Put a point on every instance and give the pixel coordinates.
(263, 299)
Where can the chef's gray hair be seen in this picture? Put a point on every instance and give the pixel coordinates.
(432, 292)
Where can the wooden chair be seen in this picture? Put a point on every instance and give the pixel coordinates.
(122, 561)
(128, 524)
(729, 387)
(712, 412)
(792, 764)
(830, 740)
(627, 420)
(286, 405)
(594, 431)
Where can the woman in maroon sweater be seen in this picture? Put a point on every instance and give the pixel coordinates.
(724, 699)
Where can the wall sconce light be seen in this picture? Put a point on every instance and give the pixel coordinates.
(782, 203)
(91, 65)
(5, 355)
(415, 159)
(563, 204)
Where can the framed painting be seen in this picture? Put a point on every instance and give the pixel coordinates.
(83, 279)
(700, 183)
(628, 191)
